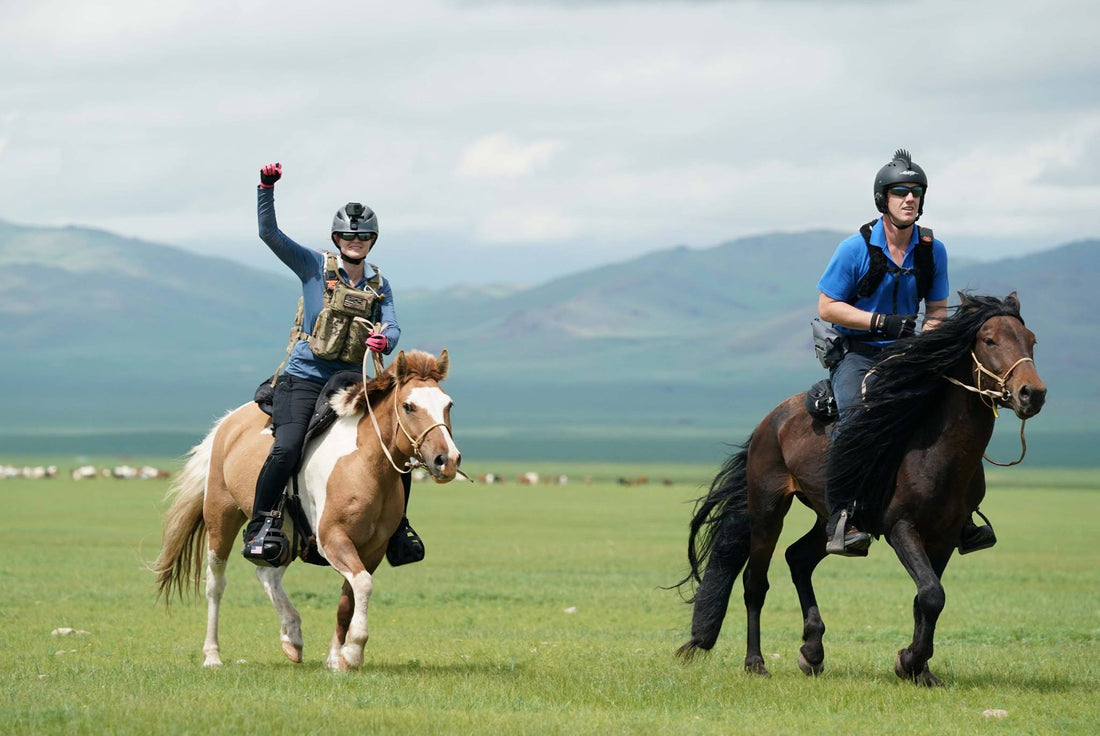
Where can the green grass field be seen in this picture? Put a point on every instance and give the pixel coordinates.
(539, 610)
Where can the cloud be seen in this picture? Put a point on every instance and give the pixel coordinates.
(500, 125)
(502, 156)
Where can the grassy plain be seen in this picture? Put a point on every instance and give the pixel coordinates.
(539, 611)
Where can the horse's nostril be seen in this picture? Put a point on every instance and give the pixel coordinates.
(440, 460)
(1025, 394)
(458, 461)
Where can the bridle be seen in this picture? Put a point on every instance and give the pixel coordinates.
(990, 397)
(416, 458)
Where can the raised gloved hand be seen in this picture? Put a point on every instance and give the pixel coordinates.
(377, 343)
(270, 174)
(893, 326)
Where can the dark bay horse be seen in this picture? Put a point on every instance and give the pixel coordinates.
(914, 454)
(350, 489)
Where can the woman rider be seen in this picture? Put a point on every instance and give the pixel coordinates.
(341, 301)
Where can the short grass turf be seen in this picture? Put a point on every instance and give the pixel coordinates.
(540, 610)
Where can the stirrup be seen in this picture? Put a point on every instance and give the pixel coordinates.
(405, 545)
(982, 537)
(269, 547)
(843, 543)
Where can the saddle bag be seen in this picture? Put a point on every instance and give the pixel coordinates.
(820, 402)
(829, 345)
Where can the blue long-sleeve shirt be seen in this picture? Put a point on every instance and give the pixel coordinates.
(309, 265)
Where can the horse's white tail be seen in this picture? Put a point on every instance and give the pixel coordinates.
(181, 554)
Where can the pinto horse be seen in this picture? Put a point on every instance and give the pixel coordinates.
(350, 488)
(913, 453)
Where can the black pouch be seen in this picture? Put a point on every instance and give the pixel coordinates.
(264, 396)
(820, 402)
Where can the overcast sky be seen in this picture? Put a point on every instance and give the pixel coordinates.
(520, 140)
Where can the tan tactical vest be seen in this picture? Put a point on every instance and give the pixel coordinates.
(343, 326)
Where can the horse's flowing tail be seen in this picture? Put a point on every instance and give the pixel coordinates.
(181, 554)
(722, 518)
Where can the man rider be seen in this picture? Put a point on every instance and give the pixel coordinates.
(871, 292)
(341, 340)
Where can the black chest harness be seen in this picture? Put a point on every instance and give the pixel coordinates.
(924, 267)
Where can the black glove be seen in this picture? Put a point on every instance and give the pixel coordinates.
(893, 326)
(270, 174)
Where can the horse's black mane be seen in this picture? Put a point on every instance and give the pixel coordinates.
(902, 398)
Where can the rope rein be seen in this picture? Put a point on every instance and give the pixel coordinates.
(416, 459)
(990, 397)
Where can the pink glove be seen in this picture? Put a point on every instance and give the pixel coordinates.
(270, 174)
(377, 343)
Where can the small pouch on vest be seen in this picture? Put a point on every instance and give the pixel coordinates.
(356, 344)
(329, 333)
(829, 345)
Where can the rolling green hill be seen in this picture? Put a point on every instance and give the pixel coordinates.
(121, 343)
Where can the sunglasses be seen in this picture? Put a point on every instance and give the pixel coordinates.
(348, 237)
(902, 191)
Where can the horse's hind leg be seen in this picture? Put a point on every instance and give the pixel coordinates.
(802, 558)
(215, 587)
(222, 522)
(768, 510)
(290, 633)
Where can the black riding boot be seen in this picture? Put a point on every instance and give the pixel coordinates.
(264, 541)
(973, 537)
(405, 545)
(841, 535)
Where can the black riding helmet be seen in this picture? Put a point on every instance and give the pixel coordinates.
(899, 171)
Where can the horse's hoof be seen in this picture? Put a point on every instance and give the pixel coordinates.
(342, 665)
(927, 679)
(812, 670)
(292, 652)
(212, 663)
(757, 668)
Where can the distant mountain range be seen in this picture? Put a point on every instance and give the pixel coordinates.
(666, 356)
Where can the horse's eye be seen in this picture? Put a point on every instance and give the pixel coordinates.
(409, 409)
(990, 341)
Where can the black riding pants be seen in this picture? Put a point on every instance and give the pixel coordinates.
(291, 409)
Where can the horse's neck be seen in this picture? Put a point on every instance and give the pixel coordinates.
(387, 432)
(965, 413)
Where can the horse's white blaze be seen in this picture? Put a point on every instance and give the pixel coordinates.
(434, 402)
(340, 440)
(361, 585)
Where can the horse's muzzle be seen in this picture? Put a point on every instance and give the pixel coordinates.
(443, 466)
(1028, 399)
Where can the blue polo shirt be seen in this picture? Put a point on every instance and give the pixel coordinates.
(309, 265)
(850, 263)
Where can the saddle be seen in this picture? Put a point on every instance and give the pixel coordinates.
(305, 541)
(820, 402)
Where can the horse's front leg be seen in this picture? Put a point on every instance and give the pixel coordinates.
(290, 634)
(912, 662)
(358, 585)
(343, 621)
(802, 558)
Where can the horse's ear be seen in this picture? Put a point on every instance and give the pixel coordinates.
(1012, 301)
(442, 363)
(963, 298)
(400, 366)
